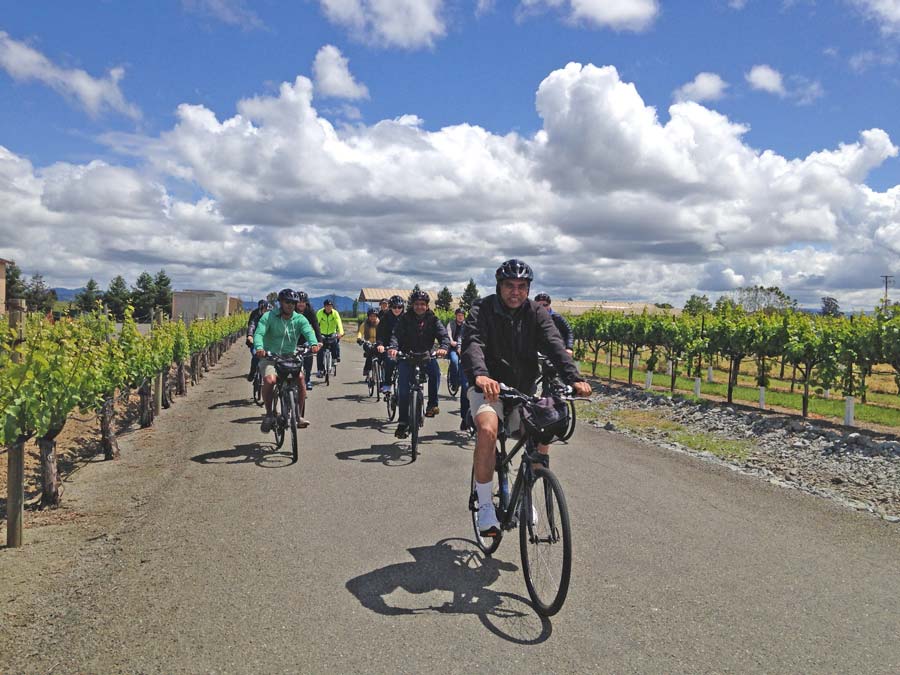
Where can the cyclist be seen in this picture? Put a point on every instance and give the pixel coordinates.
(329, 324)
(502, 337)
(383, 338)
(305, 308)
(563, 326)
(279, 332)
(368, 332)
(416, 331)
(261, 308)
(383, 308)
(454, 329)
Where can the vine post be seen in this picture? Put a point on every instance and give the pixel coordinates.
(15, 489)
(158, 379)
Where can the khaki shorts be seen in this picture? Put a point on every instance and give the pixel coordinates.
(478, 405)
(266, 367)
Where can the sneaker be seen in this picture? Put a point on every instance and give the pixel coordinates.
(320, 373)
(267, 424)
(385, 389)
(463, 426)
(309, 386)
(432, 411)
(337, 360)
(488, 525)
(302, 423)
(250, 376)
(401, 431)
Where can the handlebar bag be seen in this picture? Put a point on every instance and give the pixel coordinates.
(547, 418)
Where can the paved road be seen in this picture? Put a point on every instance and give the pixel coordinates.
(231, 559)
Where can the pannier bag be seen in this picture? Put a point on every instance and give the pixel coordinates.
(547, 418)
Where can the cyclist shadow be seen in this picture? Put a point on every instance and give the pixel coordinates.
(362, 423)
(451, 578)
(263, 455)
(233, 403)
(389, 455)
(358, 398)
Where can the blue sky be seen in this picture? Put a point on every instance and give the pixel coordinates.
(786, 79)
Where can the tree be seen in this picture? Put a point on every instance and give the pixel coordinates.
(415, 289)
(830, 307)
(662, 305)
(143, 297)
(14, 286)
(470, 296)
(86, 300)
(117, 298)
(761, 299)
(724, 304)
(444, 299)
(162, 296)
(697, 305)
(38, 295)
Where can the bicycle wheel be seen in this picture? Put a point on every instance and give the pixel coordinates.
(279, 420)
(545, 542)
(257, 389)
(370, 379)
(291, 410)
(487, 544)
(453, 390)
(415, 415)
(376, 378)
(390, 400)
(333, 365)
(326, 362)
(571, 428)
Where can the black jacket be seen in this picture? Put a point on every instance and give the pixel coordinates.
(417, 333)
(253, 320)
(504, 345)
(564, 328)
(386, 328)
(310, 315)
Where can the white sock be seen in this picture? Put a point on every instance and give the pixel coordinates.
(485, 492)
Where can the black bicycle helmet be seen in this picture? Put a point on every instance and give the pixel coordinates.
(396, 301)
(262, 303)
(302, 296)
(287, 294)
(419, 295)
(542, 297)
(372, 311)
(514, 269)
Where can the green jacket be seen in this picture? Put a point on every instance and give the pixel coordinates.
(279, 335)
(329, 323)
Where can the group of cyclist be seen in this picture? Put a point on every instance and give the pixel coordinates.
(497, 342)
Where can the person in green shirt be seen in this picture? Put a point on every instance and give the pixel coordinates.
(329, 324)
(278, 332)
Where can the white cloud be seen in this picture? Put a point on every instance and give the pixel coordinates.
(95, 95)
(606, 201)
(633, 15)
(766, 78)
(409, 24)
(332, 75)
(233, 12)
(885, 12)
(704, 87)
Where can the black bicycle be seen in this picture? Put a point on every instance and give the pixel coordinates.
(375, 376)
(536, 505)
(453, 387)
(286, 406)
(257, 388)
(329, 364)
(551, 384)
(418, 362)
(391, 397)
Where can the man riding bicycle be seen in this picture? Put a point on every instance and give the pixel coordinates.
(501, 339)
(383, 338)
(329, 324)
(562, 325)
(416, 331)
(454, 330)
(278, 332)
(261, 308)
(368, 332)
(305, 308)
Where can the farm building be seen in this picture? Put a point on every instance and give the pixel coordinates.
(190, 305)
(3, 264)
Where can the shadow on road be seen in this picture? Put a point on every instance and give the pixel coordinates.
(359, 398)
(362, 423)
(263, 455)
(233, 403)
(256, 419)
(389, 455)
(451, 577)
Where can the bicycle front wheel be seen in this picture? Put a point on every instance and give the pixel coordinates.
(545, 541)
(571, 428)
(257, 390)
(487, 544)
(415, 417)
(390, 400)
(291, 413)
(279, 419)
(326, 361)
(376, 378)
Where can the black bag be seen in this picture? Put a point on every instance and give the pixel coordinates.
(547, 418)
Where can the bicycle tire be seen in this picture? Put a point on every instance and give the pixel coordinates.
(278, 429)
(571, 428)
(293, 408)
(390, 400)
(370, 383)
(487, 544)
(326, 362)
(376, 376)
(257, 390)
(415, 410)
(545, 546)
(453, 390)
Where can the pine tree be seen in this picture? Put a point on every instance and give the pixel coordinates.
(86, 300)
(697, 305)
(470, 296)
(15, 288)
(38, 295)
(143, 297)
(414, 290)
(163, 292)
(444, 299)
(117, 298)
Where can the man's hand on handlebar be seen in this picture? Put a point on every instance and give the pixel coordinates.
(392, 353)
(490, 388)
(582, 389)
(380, 349)
(314, 348)
(261, 353)
(441, 353)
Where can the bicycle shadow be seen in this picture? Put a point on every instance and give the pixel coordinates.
(451, 577)
(233, 403)
(256, 419)
(362, 423)
(358, 398)
(390, 455)
(264, 455)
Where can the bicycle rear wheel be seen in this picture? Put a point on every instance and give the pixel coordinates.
(376, 377)
(390, 400)
(487, 544)
(370, 383)
(451, 388)
(257, 390)
(278, 429)
(571, 428)
(291, 411)
(545, 543)
(415, 417)
(326, 362)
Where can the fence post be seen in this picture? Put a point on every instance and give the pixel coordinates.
(762, 398)
(849, 403)
(709, 374)
(827, 394)
(15, 487)
(158, 382)
(697, 387)
(648, 380)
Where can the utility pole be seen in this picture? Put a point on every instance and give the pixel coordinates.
(888, 280)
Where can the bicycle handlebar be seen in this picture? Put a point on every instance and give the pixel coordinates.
(302, 350)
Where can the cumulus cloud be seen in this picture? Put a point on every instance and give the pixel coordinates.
(885, 12)
(633, 15)
(332, 75)
(409, 24)
(802, 90)
(95, 95)
(766, 78)
(606, 201)
(704, 87)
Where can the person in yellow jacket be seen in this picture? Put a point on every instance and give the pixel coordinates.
(366, 336)
(329, 324)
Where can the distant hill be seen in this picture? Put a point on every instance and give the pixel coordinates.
(341, 302)
(67, 294)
